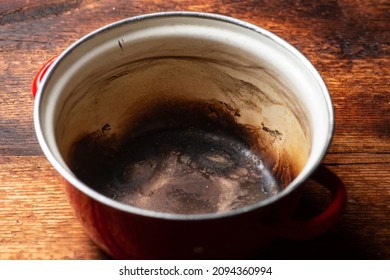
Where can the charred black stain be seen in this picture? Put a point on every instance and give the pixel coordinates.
(106, 127)
(182, 145)
(273, 132)
(235, 111)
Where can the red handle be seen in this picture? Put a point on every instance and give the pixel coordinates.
(41, 73)
(307, 229)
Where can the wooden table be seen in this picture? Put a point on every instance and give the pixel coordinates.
(346, 40)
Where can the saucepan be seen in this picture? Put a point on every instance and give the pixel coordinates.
(187, 135)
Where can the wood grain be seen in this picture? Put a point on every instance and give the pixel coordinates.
(348, 41)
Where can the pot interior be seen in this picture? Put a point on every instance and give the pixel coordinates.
(181, 118)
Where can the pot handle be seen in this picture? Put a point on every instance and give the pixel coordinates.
(307, 229)
(40, 74)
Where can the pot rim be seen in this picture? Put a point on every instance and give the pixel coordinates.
(75, 182)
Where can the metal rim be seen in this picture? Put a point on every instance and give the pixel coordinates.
(134, 210)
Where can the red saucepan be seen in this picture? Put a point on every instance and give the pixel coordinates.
(238, 118)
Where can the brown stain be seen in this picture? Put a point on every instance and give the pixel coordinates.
(273, 132)
(236, 90)
(213, 100)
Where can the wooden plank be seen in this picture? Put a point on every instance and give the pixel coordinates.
(36, 221)
(346, 40)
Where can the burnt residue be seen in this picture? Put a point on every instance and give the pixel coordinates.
(92, 157)
(106, 127)
(273, 132)
(182, 156)
(187, 136)
(234, 110)
(190, 171)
